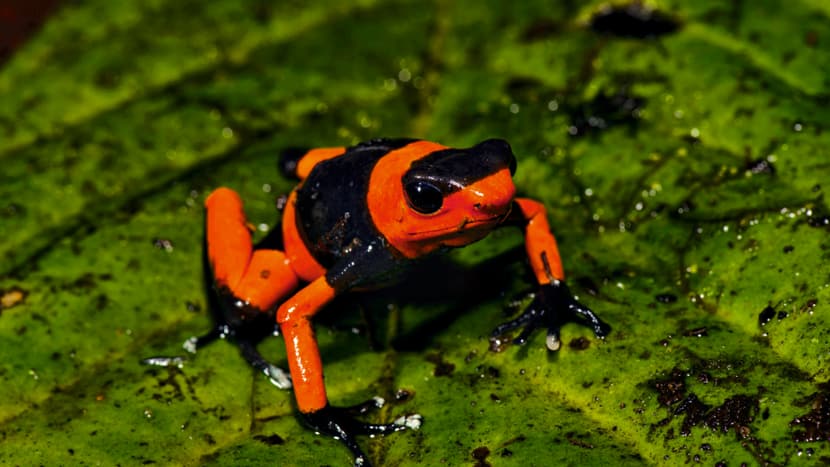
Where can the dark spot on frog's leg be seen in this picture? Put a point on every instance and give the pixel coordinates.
(546, 265)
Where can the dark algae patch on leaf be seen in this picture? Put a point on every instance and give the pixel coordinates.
(766, 315)
(634, 20)
(442, 367)
(480, 455)
(679, 147)
(270, 440)
(735, 413)
(815, 424)
(604, 111)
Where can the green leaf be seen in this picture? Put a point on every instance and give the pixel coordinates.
(685, 174)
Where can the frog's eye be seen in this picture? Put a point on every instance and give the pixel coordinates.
(423, 196)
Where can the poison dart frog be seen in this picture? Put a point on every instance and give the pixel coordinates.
(358, 219)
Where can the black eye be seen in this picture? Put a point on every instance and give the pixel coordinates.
(423, 197)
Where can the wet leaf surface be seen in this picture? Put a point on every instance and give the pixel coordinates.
(680, 147)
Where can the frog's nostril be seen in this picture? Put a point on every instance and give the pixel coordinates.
(477, 206)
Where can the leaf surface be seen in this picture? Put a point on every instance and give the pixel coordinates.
(683, 160)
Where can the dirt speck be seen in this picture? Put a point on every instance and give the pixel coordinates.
(12, 297)
(480, 455)
(580, 343)
(270, 440)
(442, 367)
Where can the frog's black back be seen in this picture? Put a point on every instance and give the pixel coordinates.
(331, 211)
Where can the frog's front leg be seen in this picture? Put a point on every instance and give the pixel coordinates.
(553, 305)
(294, 317)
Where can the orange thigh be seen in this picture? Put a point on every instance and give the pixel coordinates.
(267, 280)
(262, 277)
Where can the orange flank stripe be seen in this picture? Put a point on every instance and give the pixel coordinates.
(294, 317)
(315, 156)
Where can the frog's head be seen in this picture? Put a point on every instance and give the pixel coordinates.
(437, 196)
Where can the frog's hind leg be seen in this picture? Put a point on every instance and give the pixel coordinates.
(257, 278)
(248, 283)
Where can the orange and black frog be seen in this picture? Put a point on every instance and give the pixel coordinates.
(358, 219)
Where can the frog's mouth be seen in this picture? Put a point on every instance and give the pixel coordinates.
(465, 228)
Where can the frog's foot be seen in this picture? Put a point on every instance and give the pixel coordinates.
(278, 377)
(195, 343)
(246, 334)
(552, 307)
(247, 346)
(191, 345)
(163, 361)
(339, 422)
